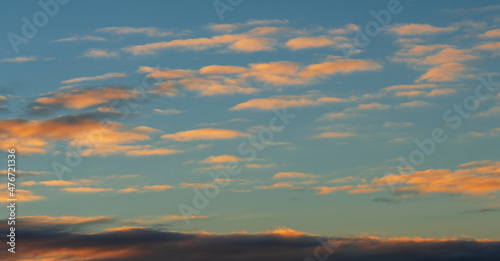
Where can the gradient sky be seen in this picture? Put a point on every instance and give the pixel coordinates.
(325, 173)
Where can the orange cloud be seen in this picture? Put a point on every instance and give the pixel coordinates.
(105, 76)
(420, 29)
(150, 152)
(157, 187)
(327, 190)
(216, 86)
(221, 159)
(299, 175)
(334, 135)
(86, 190)
(308, 42)
(205, 134)
(222, 69)
(413, 104)
(79, 99)
(21, 195)
(473, 178)
(444, 73)
(287, 101)
(252, 45)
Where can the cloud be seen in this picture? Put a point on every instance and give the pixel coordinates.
(20, 59)
(337, 42)
(373, 106)
(157, 187)
(59, 242)
(413, 104)
(222, 69)
(298, 175)
(122, 30)
(473, 178)
(205, 134)
(84, 98)
(166, 112)
(102, 77)
(99, 53)
(216, 86)
(333, 135)
(166, 73)
(22, 195)
(419, 29)
(128, 243)
(444, 73)
(86, 190)
(327, 190)
(93, 136)
(494, 47)
(228, 28)
(150, 152)
(260, 166)
(491, 34)
(252, 45)
(79, 38)
(57, 183)
(221, 159)
(287, 101)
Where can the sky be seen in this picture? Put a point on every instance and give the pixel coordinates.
(371, 122)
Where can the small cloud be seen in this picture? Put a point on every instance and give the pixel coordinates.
(78, 38)
(20, 59)
(166, 112)
(99, 53)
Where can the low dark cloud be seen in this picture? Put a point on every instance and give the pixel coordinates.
(61, 242)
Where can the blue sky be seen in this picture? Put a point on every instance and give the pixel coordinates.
(210, 84)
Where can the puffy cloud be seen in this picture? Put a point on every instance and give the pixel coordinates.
(216, 86)
(221, 159)
(22, 195)
(260, 166)
(79, 99)
(95, 137)
(373, 106)
(222, 69)
(205, 134)
(299, 175)
(252, 45)
(308, 42)
(420, 29)
(99, 53)
(491, 33)
(323, 190)
(473, 178)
